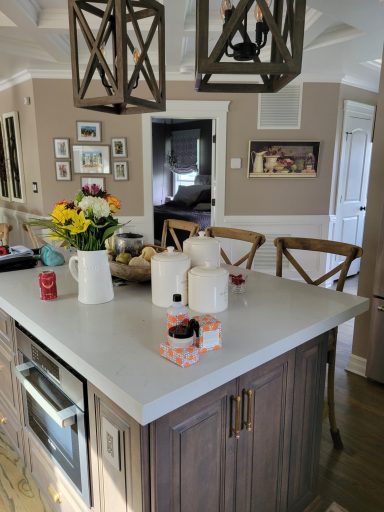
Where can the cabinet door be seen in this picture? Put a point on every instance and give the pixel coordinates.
(194, 455)
(116, 455)
(308, 403)
(263, 447)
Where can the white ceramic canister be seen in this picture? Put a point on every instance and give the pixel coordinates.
(169, 275)
(202, 249)
(208, 289)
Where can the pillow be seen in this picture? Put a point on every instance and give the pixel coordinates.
(205, 195)
(189, 195)
(202, 207)
(203, 179)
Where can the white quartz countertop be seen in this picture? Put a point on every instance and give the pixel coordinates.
(115, 345)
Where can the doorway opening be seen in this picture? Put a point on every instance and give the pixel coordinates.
(181, 171)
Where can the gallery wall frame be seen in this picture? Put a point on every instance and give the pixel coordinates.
(120, 171)
(61, 147)
(119, 147)
(91, 159)
(63, 170)
(283, 159)
(88, 131)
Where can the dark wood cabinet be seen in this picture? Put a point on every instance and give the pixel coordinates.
(252, 444)
(193, 452)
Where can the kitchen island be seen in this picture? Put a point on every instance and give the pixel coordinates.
(237, 431)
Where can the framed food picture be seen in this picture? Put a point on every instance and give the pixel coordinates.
(119, 147)
(88, 131)
(91, 159)
(61, 148)
(120, 171)
(63, 171)
(283, 159)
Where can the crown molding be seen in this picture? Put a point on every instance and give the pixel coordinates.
(188, 76)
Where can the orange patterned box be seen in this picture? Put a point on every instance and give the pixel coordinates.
(183, 357)
(209, 333)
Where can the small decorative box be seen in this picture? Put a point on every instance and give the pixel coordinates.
(183, 357)
(209, 333)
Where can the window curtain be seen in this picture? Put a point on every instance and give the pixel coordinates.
(184, 154)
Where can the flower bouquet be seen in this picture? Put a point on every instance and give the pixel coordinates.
(84, 223)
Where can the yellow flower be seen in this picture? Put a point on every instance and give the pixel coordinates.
(114, 203)
(79, 223)
(61, 214)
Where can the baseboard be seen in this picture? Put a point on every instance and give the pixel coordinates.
(357, 365)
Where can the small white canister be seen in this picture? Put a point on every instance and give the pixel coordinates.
(208, 289)
(169, 275)
(202, 249)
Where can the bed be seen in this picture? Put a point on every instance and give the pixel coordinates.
(190, 203)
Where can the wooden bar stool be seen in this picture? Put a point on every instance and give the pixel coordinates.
(349, 252)
(254, 238)
(4, 233)
(169, 227)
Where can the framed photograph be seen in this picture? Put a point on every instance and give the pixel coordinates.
(120, 171)
(282, 159)
(91, 159)
(61, 148)
(88, 131)
(63, 171)
(119, 147)
(87, 180)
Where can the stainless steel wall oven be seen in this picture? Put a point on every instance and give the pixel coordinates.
(54, 401)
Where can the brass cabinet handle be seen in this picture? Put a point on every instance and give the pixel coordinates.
(236, 402)
(3, 420)
(248, 422)
(54, 494)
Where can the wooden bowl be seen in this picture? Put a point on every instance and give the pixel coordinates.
(130, 272)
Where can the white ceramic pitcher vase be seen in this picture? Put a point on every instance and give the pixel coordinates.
(91, 271)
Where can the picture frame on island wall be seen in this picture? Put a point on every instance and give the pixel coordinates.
(61, 148)
(91, 159)
(120, 171)
(92, 180)
(119, 147)
(63, 170)
(283, 159)
(88, 131)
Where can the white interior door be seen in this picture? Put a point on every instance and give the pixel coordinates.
(355, 164)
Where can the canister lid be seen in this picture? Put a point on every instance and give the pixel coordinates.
(201, 239)
(170, 255)
(208, 270)
(182, 331)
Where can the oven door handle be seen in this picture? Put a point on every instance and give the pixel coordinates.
(65, 417)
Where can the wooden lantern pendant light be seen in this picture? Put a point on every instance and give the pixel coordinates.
(124, 43)
(238, 49)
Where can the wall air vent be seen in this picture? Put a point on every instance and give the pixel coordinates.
(280, 110)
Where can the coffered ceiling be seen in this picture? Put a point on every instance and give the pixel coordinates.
(343, 39)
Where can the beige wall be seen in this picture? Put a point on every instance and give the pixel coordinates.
(373, 219)
(56, 117)
(13, 100)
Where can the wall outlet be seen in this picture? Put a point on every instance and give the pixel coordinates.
(235, 163)
(35, 188)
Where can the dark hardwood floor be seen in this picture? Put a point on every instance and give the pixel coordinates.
(354, 477)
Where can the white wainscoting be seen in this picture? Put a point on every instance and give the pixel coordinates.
(311, 226)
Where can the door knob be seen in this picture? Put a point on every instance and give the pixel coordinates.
(362, 208)
(3, 420)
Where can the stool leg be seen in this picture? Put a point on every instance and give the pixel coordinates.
(335, 433)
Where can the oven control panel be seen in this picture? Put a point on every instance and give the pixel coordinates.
(46, 364)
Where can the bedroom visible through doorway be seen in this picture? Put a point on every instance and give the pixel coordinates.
(182, 159)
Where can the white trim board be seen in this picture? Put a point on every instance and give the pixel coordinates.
(187, 110)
